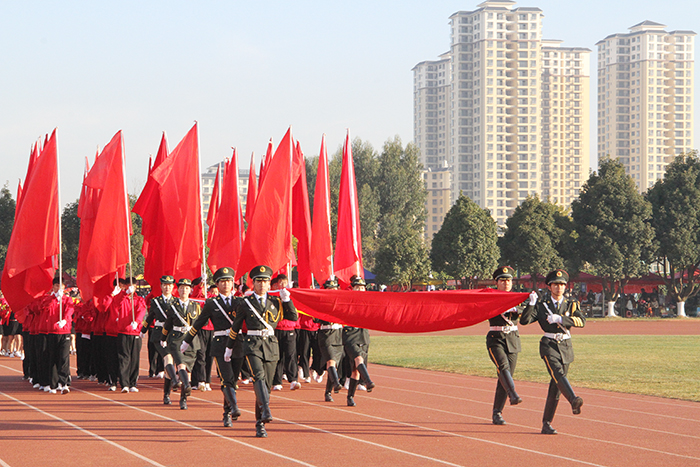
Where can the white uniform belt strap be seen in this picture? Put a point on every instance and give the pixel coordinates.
(326, 327)
(506, 329)
(221, 333)
(559, 336)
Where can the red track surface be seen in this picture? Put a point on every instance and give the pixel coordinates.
(412, 418)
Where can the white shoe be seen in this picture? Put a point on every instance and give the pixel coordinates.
(207, 387)
(31, 380)
(133, 389)
(52, 391)
(160, 375)
(307, 380)
(284, 377)
(318, 378)
(361, 387)
(3, 353)
(201, 387)
(37, 386)
(295, 385)
(125, 389)
(45, 388)
(65, 390)
(60, 387)
(277, 387)
(300, 373)
(112, 388)
(347, 383)
(246, 381)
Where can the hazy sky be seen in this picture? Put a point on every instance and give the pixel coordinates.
(244, 70)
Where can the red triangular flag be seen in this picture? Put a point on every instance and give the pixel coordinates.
(301, 221)
(321, 258)
(252, 191)
(34, 242)
(269, 238)
(348, 244)
(214, 207)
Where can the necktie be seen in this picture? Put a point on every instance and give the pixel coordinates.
(262, 303)
(228, 303)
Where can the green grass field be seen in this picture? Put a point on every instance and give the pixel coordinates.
(666, 366)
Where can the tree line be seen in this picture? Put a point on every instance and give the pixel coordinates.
(610, 230)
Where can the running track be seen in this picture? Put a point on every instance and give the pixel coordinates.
(413, 417)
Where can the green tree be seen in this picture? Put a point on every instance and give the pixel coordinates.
(535, 237)
(401, 256)
(466, 245)
(70, 237)
(612, 222)
(7, 220)
(137, 259)
(675, 202)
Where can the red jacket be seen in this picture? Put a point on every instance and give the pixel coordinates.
(121, 317)
(50, 313)
(307, 323)
(85, 314)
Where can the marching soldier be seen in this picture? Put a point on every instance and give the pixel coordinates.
(356, 344)
(157, 315)
(503, 344)
(261, 313)
(181, 314)
(556, 317)
(221, 310)
(330, 342)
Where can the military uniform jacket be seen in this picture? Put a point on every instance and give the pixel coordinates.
(155, 315)
(509, 340)
(220, 321)
(265, 348)
(570, 312)
(179, 321)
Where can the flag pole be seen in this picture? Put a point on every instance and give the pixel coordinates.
(201, 213)
(60, 239)
(128, 237)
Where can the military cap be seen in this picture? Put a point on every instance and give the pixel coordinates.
(330, 284)
(503, 272)
(357, 280)
(196, 281)
(184, 281)
(261, 272)
(223, 274)
(558, 276)
(167, 280)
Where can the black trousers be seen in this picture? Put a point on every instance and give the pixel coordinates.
(287, 364)
(503, 360)
(54, 364)
(558, 371)
(201, 372)
(111, 352)
(262, 370)
(307, 345)
(155, 360)
(228, 371)
(128, 354)
(29, 362)
(83, 350)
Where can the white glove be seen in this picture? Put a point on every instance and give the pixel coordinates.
(184, 346)
(533, 298)
(142, 335)
(61, 323)
(163, 344)
(58, 294)
(552, 318)
(134, 325)
(227, 354)
(284, 295)
(248, 293)
(116, 291)
(130, 290)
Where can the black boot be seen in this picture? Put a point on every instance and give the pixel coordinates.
(185, 380)
(550, 408)
(506, 380)
(227, 419)
(172, 373)
(547, 429)
(329, 387)
(260, 430)
(333, 378)
(362, 368)
(497, 419)
(230, 395)
(352, 386)
(167, 384)
(263, 400)
(183, 400)
(575, 401)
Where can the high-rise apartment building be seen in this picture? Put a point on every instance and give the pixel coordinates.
(645, 99)
(208, 178)
(438, 183)
(515, 110)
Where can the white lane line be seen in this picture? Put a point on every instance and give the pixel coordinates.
(602, 393)
(604, 407)
(83, 430)
(152, 414)
(435, 430)
(586, 438)
(4, 464)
